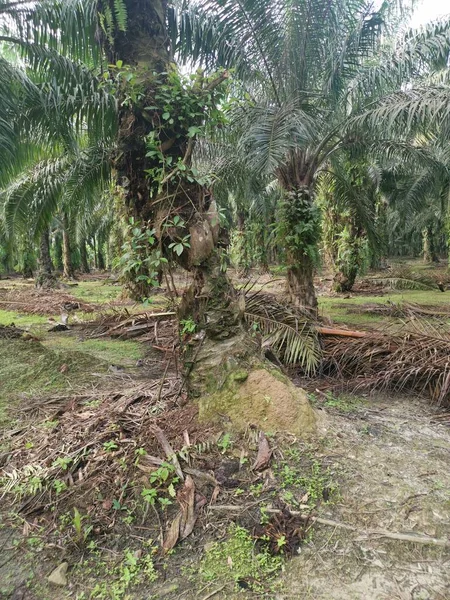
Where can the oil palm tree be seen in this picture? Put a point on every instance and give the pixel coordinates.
(58, 120)
(160, 114)
(319, 79)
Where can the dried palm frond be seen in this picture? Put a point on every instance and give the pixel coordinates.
(288, 331)
(409, 310)
(416, 359)
(403, 278)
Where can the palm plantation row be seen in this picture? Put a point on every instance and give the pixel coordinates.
(304, 129)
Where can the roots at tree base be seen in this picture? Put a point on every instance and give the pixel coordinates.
(47, 281)
(227, 375)
(344, 282)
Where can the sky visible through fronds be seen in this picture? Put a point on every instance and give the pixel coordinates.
(429, 10)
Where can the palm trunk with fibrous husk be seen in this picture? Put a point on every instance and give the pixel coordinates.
(68, 268)
(300, 231)
(158, 126)
(84, 256)
(429, 251)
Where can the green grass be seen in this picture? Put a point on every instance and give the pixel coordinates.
(336, 308)
(29, 368)
(117, 352)
(99, 292)
(20, 320)
(96, 292)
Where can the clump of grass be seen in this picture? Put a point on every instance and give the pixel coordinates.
(237, 560)
(302, 479)
(121, 352)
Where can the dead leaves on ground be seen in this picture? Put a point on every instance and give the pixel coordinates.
(184, 522)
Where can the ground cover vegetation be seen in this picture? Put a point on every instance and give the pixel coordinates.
(224, 326)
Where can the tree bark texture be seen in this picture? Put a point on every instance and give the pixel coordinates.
(45, 261)
(68, 269)
(84, 256)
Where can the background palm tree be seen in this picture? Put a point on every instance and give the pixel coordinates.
(319, 78)
(60, 119)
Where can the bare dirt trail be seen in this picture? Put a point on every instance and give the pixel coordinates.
(394, 475)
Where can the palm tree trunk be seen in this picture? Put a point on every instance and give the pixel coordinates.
(100, 257)
(58, 252)
(221, 350)
(243, 262)
(26, 251)
(301, 231)
(300, 282)
(68, 269)
(212, 303)
(345, 280)
(45, 278)
(429, 251)
(84, 256)
(45, 260)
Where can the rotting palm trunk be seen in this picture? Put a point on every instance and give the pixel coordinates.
(68, 269)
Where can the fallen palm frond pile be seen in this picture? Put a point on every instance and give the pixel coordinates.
(402, 310)
(414, 358)
(157, 328)
(402, 277)
(417, 359)
(40, 302)
(90, 447)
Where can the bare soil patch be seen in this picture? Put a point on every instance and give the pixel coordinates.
(393, 460)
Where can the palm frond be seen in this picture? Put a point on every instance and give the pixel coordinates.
(403, 278)
(286, 330)
(270, 133)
